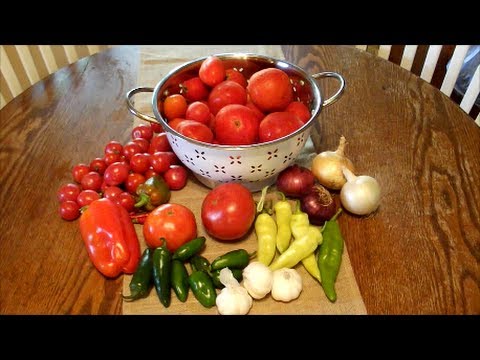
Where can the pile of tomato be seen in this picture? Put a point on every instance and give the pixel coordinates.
(117, 174)
(221, 106)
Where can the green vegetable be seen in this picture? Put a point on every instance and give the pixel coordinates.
(162, 268)
(200, 263)
(330, 256)
(235, 259)
(179, 280)
(202, 288)
(142, 278)
(189, 249)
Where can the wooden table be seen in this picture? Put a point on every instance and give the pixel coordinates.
(419, 254)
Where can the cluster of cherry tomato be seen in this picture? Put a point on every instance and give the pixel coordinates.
(222, 106)
(122, 168)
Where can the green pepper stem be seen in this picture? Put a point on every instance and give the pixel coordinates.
(133, 296)
(336, 215)
(282, 195)
(297, 207)
(142, 200)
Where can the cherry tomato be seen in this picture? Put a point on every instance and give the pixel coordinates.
(140, 162)
(130, 149)
(237, 76)
(114, 147)
(160, 161)
(212, 71)
(143, 143)
(236, 125)
(198, 111)
(176, 177)
(278, 124)
(226, 93)
(132, 182)
(150, 173)
(173, 222)
(79, 171)
(98, 165)
(157, 128)
(116, 173)
(159, 143)
(142, 131)
(68, 192)
(195, 130)
(194, 89)
(111, 158)
(228, 211)
(174, 106)
(92, 181)
(86, 197)
(126, 200)
(299, 109)
(112, 192)
(270, 89)
(69, 210)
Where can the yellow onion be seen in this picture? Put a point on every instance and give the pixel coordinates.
(327, 166)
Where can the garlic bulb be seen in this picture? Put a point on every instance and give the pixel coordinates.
(287, 285)
(233, 299)
(257, 279)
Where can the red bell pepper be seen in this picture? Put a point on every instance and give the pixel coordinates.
(110, 238)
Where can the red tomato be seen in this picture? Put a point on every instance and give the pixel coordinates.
(68, 192)
(236, 125)
(142, 131)
(143, 143)
(159, 143)
(132, 182)
(226, 93)
(174, 123)
(173, 222)
(228, 211)
(176, 177)
(111, 158)
(270, 89)
(157, 128)
(260, 115)
(300, 109)
(79, 171)
(86, 197)
(98, 165)
(111, 192)
(194, 89)
(212, 71)
(69, 210)
(237, 76)
(126, 200)
(161, 161)
(116, 174)
(131, 148)
(140, 162)
(92, 181)
(278, 124)
(174, 106)
(195, 130)
(114, 147)
(198, 111)
(150, 173)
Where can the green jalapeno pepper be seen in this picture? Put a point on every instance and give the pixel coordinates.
(152, 193)
(215, 275)
(283, 217)
(189, 249)
(162, 268)
(142, 278)
(330, 256)
(235, 259)
(180, 280)
(200, 263)
(202, 288)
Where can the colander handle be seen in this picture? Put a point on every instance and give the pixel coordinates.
(134, 111)
(339, 92)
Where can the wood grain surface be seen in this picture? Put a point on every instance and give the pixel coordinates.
(419, 254)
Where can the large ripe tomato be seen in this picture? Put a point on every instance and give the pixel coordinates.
(226, 93)
(236, 125)
(194, 89)
(212, 71)
(278, 124)
(299, 109)
(195, 130)
(270, 89)
(173, 222)
(228, 211)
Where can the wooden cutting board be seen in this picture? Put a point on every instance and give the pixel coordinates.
(155, 62)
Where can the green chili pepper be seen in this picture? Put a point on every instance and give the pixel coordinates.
(330, 256)
(299, 249)
(179, 280)
(235, 259)
(162, 268)
(215, 275)
(199, 263)
(189, 249)
(142, 278)
(283, 217)
(152, 193)
(202, 288)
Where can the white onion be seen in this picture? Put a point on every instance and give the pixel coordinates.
(361, 194)
(327, 167)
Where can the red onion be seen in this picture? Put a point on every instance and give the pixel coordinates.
(318, 204)
(295, 181)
